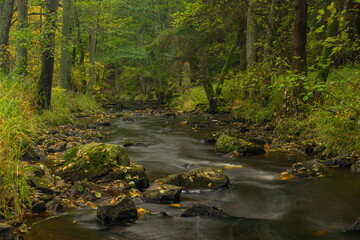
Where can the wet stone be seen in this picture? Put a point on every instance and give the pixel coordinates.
(116, 210)
(39, 207)
(355, 227)
(203, 210)
(163, 193)
(200, 178)
(54, 206)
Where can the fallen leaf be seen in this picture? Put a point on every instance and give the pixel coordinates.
(176, 205)
(112, 202)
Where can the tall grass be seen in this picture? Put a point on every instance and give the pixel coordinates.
(17, 123)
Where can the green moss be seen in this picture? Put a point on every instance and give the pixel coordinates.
(227, 144)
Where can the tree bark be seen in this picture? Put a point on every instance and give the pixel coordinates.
(208, 88)
(250, 38)
(21, 50)
(299, 45)
(92, 52)
(66, 60)
(47, 57)
(270, 30)
(7, 10)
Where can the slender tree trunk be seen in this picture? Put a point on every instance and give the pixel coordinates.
(7, 10)
(299, 45)
(331, 31)
(250, 38)
(21, 50)
(270, 30)
(225, 68)
(208, 88)
(92, 52)
(117, 85)
(47, 57)
(65, 60)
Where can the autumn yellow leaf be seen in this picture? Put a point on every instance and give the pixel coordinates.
(176, 205)
(286, 176)
(112, 202)
(160, 183)
(232, 166)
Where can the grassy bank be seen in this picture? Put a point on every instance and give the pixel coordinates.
(331, 121)
(20, 125)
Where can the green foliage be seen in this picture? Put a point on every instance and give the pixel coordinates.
(191, 100)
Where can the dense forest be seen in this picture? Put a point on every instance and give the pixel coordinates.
(292, 66)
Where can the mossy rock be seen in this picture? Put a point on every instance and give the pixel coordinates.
(228, 144)
(92, 161)
(133, 175)
(200, 178)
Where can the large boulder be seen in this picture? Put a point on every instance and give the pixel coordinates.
(311, 168)
(228, 144)
(117, 210)
(92, 161)
(202, 210)
(200, 178)
(163, 193)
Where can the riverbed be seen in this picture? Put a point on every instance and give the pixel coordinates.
(261, 205)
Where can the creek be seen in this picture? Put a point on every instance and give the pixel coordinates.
(262, 206)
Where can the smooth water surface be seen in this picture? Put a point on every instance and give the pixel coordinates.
(261, 205)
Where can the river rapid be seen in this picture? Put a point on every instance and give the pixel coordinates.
(262, 206)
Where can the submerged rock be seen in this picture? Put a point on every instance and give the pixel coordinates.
(117, 210)
(92, 161)
(311, 168)
(228, 144)
(163, 193)
(200, 178)
(6, 232)
(203, 210)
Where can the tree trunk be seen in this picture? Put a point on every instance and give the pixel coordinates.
(92, 52)
(65, 60)
(250, 38)
(47, 57)
(270, 30)
(225, 68)
(117, 85)
(331, 31)
(7, 10)
(299, 45)
(209, 90)
(21, 50)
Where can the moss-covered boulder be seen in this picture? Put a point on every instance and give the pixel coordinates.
(92, 161)
(229, 144)
(200, 178)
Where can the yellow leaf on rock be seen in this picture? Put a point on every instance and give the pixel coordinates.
(176, 205)
(286, 176)
(112, 202)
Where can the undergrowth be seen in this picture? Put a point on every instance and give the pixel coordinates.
(17, 123)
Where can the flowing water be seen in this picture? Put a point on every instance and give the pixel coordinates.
(261, 205)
